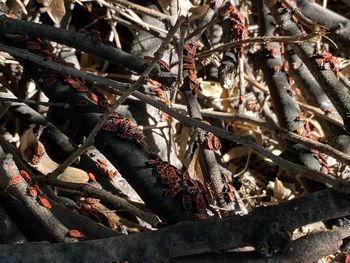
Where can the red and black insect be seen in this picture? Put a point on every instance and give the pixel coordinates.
(14, 180)
(43, 201)
(163, 65)
(75, 234)
(325, 60)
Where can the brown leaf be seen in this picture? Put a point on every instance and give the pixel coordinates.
(278, 190)
(55, 9)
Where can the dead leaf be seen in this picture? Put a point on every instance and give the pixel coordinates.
(55, 9)
(164, 4)
(46, 164)
(278, 190)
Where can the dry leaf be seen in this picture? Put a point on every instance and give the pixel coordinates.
(114, 221)
(194, 168)
(45, 164)
(164, 4)
(278, 190)
(211, 88)
(55, 9)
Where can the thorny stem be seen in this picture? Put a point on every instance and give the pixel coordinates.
(90, 139)
(112, 86)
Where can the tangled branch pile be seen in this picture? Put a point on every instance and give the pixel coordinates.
(169, 130)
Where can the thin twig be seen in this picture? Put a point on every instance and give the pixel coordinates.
(264, 39)
(103, 195)
(143, 10)
(35, 102)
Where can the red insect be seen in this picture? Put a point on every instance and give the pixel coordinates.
(91, 177)
(170, 175)
(327, 61)
(93, 97)
(187, 201)
(163, 65)
(43, 201)
(200, 203)
(48, 82)
(25, 175)
(75, 234)
(200, 217)
(229, 193)
(32, 191)
(324, 169)
(111, 174)
(14, 180)
(212, 142)
(38, 149)
(174, 190)
(273, 51)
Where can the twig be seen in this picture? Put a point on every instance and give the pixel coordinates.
(82, 41)
(137, 21)
(143, 10)
(314, 27)
(35, 102)
(103, 195)
(264, 39)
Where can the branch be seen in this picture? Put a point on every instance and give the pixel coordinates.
(83, 42)
(187, 238)
(19, 188)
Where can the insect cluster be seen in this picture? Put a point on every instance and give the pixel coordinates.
(160, 92)
(124, 129)
(190, 81)
(194, 194)
(51, 77)
(104, 170)
(236, 19)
